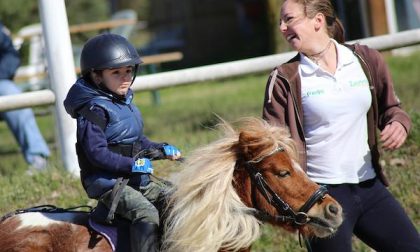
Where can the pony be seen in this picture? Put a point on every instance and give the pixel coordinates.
(218, 201)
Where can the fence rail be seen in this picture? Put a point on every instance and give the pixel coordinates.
(212, 72)
(66, 126)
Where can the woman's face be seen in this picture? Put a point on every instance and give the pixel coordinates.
(295, 27)
(117, 80)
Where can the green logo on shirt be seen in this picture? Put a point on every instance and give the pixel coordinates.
(315, 92)
(359, 83)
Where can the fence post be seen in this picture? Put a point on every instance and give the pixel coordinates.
(61, 74)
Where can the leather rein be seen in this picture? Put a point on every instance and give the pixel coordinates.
(289, 215)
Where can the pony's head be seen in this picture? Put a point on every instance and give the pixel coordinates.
(268, 178)
(228, 187)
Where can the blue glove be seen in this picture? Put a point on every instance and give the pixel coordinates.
(142, 165)
(171, 151)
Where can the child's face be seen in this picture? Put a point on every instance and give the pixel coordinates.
(117, 80)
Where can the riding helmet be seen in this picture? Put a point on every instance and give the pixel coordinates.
(106, 51)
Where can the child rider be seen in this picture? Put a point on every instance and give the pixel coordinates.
(110, 136)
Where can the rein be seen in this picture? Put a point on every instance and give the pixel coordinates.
(46, 209)
(298, 218)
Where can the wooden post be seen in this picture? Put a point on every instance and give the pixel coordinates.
(378, 20)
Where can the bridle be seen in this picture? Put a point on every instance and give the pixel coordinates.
(289, 215)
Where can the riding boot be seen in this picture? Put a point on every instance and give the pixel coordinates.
(144, 237)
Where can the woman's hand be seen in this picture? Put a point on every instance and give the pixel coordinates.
(393, 136)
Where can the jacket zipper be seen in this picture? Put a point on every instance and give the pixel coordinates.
(287, 82)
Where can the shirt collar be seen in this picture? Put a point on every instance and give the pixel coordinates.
(345, 55)
(306, 65)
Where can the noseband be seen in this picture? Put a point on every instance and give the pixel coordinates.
(298, 218)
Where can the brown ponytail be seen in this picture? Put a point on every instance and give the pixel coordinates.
(336, 31)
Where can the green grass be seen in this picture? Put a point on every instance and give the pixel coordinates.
(185, 118)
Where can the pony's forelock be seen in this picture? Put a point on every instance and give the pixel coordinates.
(270, 136)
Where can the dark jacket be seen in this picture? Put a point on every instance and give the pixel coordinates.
(283, 103)
(9, 57)
(99, 146)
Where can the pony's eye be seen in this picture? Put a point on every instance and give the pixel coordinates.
(283, 174)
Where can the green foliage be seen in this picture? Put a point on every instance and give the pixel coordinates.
(19, 13)
(186, 118)
(16, 14)
(141, 6)
(406, 74)
(274, 16)
(84, 11)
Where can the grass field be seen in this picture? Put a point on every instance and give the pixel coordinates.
(185, 118)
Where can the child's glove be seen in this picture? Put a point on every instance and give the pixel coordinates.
(171, 152)
(142, 165)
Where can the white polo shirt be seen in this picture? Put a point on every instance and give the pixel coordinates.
(335, 122)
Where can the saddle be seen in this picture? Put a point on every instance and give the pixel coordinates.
(116, 231)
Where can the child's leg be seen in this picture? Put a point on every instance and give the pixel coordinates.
(143, 215)
(133, 206)
(154, 192)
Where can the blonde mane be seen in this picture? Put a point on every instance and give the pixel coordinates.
(206, 212)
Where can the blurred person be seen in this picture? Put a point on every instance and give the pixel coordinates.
(21, 122)
(110, 140)
(333, 97)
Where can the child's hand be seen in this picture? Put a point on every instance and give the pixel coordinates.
(171, 152)
(142, 165)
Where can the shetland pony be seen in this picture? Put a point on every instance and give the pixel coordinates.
(219, 200)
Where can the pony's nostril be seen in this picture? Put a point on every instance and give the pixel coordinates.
(333, 209)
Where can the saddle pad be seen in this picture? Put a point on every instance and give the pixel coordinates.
(109, 232)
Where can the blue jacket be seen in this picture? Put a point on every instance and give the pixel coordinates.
(100, 165)
(9, 57)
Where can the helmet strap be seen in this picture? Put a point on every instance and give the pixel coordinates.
(136, 67)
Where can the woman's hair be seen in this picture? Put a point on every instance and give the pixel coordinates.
(334, 26)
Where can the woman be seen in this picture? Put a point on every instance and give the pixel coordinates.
(333, 96)
(110, 140)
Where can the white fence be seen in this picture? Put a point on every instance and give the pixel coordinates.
(212, 72)
(199, 74)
